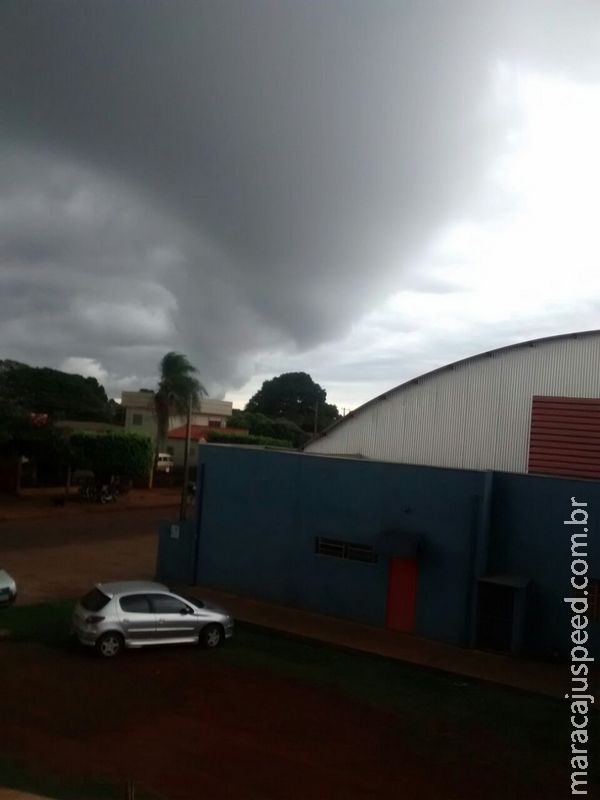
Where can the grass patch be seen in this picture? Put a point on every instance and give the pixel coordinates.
(49, 623)
(446, 712)
(532, 729)
(15, 774)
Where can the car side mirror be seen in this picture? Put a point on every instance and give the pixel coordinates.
(186, 610)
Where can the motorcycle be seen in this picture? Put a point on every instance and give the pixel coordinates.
(108, 494)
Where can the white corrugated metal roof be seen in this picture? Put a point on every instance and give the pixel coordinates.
(471, 414)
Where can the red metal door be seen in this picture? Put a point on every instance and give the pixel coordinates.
(402, 594)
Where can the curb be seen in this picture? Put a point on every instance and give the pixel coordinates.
(439, 671)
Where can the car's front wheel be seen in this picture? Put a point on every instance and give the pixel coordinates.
(109, 644)
(211, 636)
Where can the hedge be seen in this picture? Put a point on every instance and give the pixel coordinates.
(235, 438)
(126, 454)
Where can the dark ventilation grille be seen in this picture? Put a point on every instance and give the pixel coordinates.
(349, 550)
(329, 547)
(359, 552)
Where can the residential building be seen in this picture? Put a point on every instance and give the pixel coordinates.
(177, 436)
(140, 414)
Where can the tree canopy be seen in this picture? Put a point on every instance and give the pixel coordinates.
(41, 390)
(260, 425)
(21, 436)
(294, 396)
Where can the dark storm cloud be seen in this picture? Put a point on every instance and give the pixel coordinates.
(90, 271)
(231, 177)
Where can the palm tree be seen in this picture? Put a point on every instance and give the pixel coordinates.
(178, 390)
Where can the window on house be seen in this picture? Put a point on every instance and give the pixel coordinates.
(137, 419)
(341, 549)
(214, 423)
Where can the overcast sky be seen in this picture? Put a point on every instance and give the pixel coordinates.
(360, 190)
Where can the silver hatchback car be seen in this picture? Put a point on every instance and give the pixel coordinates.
(138, 613)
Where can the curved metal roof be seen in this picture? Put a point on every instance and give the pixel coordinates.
(453, 365)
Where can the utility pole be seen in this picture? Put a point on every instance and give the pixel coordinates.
(186, 456)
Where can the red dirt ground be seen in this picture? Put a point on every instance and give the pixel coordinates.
(63, 554)
(38, 503)
(184, 725)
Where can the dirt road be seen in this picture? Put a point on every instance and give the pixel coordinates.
(62, 555)
(186, 723)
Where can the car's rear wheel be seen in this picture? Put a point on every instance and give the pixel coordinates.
(109, 644)
(211, 636)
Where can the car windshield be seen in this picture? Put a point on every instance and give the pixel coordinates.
(94, 600)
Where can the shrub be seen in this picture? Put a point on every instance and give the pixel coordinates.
(126, 454)
(222, 437)
(261, 425)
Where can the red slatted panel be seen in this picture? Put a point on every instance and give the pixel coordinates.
(565, 437)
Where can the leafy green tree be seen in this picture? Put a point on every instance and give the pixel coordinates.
(296, 397)
(12, 419)
(117, 412)
(177, 385)
(46, 447)
(49, 391)
(260, 425)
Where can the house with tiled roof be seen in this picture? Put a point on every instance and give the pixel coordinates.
(198, 434)
(140, 417)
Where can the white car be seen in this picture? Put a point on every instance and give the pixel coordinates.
(165, 463)
(8, 589)
(138, 613)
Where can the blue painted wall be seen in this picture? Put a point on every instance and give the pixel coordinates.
(441, 506)
(261, 512)
(176, 554)
(529, 538)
